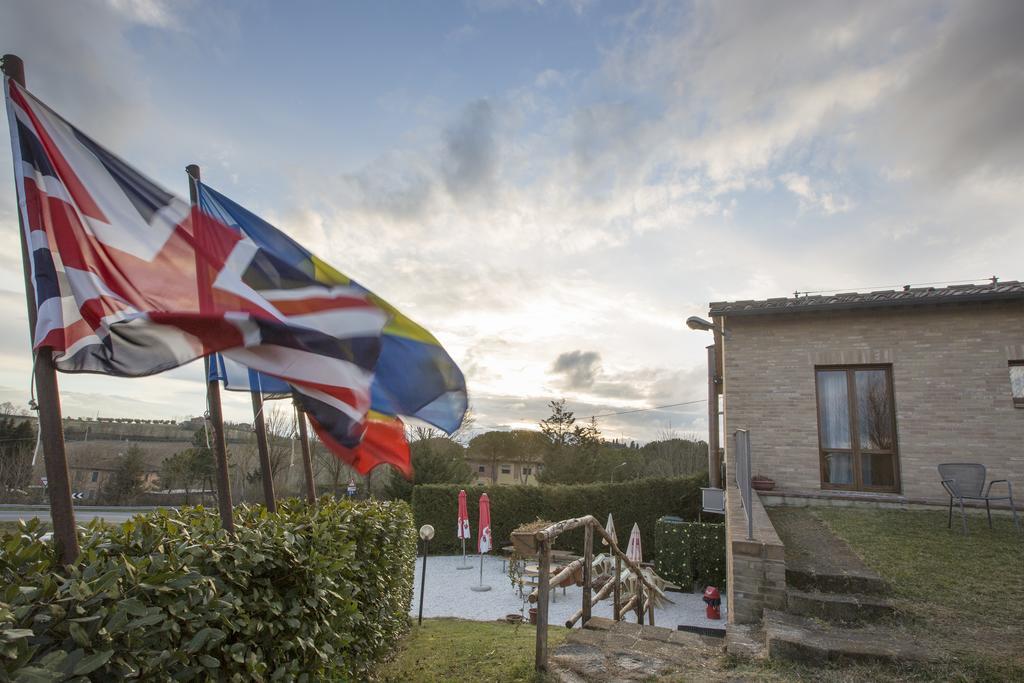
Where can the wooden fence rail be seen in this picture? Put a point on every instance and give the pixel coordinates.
(542, 541)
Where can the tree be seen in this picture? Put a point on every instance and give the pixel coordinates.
(126, 483)
(435, 460)
(17, 440)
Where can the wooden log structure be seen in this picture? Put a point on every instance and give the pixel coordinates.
(588, 572)
(639, 605)
(601, 595)
(543, 540)
(617, 599)
(626, 609)
(544, 552)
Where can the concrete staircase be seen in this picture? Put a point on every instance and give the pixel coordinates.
(837, 608)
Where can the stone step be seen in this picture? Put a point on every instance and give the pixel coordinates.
(840, 607)
(857, 582)
(800, 639)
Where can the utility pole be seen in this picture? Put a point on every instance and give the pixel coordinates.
(307, 459)
(260, 426)
(51, 429)
(220, 450)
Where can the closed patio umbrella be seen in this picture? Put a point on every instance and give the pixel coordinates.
(610, 528)
(483, 540)
(634, 551)
(463, 528)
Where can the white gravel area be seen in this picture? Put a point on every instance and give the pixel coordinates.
(448, 594)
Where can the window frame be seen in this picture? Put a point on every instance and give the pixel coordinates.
(1018, 402)
(505, 469)
(855, 450)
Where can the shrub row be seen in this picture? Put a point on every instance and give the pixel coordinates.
(690, 552)
(303, 594)
(642, 501)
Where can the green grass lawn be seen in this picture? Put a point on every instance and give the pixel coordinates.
(456, 650)
(963, 595)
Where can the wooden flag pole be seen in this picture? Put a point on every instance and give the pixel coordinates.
(51, 430)
(307, 459)
(220, 450)
(260, 426)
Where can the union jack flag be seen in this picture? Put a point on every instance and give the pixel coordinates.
(129, 280)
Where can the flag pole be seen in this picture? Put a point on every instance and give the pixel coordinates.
(220, 450)
(51, 430)
(307, 460)
(260, 426)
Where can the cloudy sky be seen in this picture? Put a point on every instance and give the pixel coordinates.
(552, 187)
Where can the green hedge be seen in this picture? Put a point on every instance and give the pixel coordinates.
(303, 594)
(641, 500)
(691, 551)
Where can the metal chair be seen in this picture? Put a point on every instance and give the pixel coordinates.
(965, 481)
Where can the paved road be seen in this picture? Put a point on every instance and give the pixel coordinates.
(83, 514)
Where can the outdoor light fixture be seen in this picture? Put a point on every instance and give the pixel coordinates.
(697, 323)
(426, 533)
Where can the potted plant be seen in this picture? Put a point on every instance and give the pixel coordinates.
(760, 483)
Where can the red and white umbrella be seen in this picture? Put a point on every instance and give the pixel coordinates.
(483, 542)
(610, 528)
(634, 551)
(463, 530)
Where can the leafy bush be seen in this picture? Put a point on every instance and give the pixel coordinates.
(691, 551)
(303, 594)
(642, 501)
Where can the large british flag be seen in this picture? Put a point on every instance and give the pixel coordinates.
(130, 281)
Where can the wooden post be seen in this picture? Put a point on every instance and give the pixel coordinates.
(260, 426)
(617, 590)
(588, 570)
(543, 600)
(307, 459)
(650, 610)
(220, 450)
(639, 602)
(51, 429)
(714, 461)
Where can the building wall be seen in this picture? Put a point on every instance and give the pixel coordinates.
(492, 474)
(756, 567)
(950, 383)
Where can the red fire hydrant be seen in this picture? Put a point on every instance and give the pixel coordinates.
(713, 600)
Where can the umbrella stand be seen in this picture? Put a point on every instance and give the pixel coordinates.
(481, 588)
(464, 565)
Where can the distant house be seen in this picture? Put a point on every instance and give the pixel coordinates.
(862, 395)
(520, 469)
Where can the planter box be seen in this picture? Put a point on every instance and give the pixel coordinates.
(525, 543)
(762, 484)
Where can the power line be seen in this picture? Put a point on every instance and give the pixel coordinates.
(644, 410)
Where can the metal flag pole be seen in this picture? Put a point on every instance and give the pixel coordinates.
(307, 460)
(51, 430)
(220, 450)
(259, 425)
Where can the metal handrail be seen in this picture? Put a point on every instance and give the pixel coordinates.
(743, 473)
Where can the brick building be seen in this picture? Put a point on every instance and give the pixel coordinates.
(868, 393)
(857, 398)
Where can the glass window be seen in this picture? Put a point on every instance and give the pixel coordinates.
(856, 428)
(874, 411)
(527, 471)
(834, 409)
(506, 469)
(1017, 382)
(481, 468)
(95, 476)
